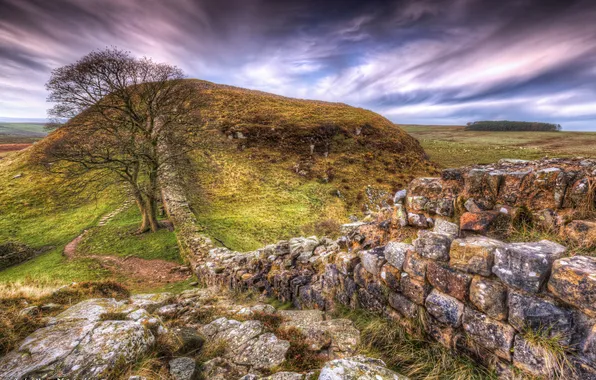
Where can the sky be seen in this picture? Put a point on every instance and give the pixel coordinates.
(413, 61)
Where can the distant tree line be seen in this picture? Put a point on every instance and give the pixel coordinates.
(505, 125)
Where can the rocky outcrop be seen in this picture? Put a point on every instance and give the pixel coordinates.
(85, 341)
(358, 367)
(14, 253)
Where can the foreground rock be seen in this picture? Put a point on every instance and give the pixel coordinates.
(358, 367)
(85, 341)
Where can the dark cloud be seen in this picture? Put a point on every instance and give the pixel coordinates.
(447, 61)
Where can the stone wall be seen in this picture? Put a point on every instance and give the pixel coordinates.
(477, 294)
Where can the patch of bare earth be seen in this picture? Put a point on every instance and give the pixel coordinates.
(134, 270)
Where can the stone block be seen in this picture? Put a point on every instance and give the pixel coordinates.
(573, 280)
(395, 253)
(403, 305)
(489, 296)
(526, 266)
(361, 276)
(447, 280)
(415, 265)
(372, 260)
(442, 333)
(581, 231)
(528, 312)
(433, 246)
(484, 222)
(444, 308)
(446, 228)
(472, 206)
(413, 289)
(474, 254)
(390, 276)
(346, 262)
(430, 187)
(489, 333)
(416, 203)
(368, 301)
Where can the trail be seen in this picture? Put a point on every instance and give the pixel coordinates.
(133, 270)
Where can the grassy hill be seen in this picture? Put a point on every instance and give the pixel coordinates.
(274, 167)
(266, 167)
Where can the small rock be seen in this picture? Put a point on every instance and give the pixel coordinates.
(51, 307)
(446, 228)
(444, 308)
(183, 368)
(489, 296)
(567, 273)
(358, 367)
(489, 333)
(433, 246)
(395, 253)
(372, 260)
(472, 206)
(194, 283)
(30, 311)
(400, 196)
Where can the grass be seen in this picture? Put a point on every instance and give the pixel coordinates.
(118, 237)
(452, 146)
(408, 351)
(553, 351)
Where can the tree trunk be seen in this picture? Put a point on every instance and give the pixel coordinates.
(152, 213)
(145, 221)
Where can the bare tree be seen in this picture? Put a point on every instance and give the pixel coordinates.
(126, 116)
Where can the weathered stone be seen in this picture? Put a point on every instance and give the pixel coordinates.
(484, 222)
(358, 367)
(472, 206)
(474, 254)
(249, 311)
(588, 346)
(530, 357)
(190, 342)
(401, 215)
(433, 246)
(262, 353)
(539, 315)
(415, 265)
(150, 302)
(369, 301)
(415, 290)
(489, 333)
(390, 276)
(573, 280)
(446, 228)
(303, 246)
(448, 280)
(581, 231)
(395, 253)
(183, 368)
(417, 220)
(444, 308)
(400, 196)
(346, 262)
(442, 333)
(222, 369)
(12, 253)
(339, 335)
(372, 260)
(403, 305)
(489, 296)
(526, 266)
(89, 310)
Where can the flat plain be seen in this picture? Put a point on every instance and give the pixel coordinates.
(453, 146)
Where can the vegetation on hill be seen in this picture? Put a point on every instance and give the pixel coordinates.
(269, 167)
(505, 125)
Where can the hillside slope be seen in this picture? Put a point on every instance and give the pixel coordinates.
(266, 167)
(273, 167)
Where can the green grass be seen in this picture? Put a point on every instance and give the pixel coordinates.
(119, 238)
(452, 146)
(22, 128)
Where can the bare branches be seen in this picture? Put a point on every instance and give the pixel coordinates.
(120, 110)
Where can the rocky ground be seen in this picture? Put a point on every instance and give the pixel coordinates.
(203, 333)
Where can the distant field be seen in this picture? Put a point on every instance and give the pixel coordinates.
(452, 146)
(17, 136)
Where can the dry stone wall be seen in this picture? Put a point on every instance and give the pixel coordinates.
(478, 294)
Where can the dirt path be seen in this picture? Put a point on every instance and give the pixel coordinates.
(133, 270)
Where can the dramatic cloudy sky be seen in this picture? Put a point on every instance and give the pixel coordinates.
(414, 61)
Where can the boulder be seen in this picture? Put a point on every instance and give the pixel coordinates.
(183, 368)
(150, 302)
(526, 266)
(489, 333)
(474, 254)
(530, 357)
(448, 280)
(444, 308)
(358, 367)
(489, 296)
(573, 280)
(432, 245)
